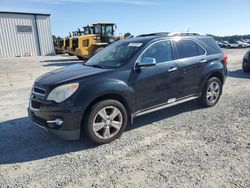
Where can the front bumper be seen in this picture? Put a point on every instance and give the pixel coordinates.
(67, 128)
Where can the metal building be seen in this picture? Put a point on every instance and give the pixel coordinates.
(25, 34)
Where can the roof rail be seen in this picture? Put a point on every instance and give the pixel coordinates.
(183, 34)
(154, 34)
(170, 34)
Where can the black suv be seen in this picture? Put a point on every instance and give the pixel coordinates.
(246, 62)
(127, 79)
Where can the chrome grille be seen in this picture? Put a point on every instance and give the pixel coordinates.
(39, 91)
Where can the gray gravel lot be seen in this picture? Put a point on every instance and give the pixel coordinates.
(182, 146)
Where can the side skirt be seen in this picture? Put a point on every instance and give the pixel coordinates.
(162, 106)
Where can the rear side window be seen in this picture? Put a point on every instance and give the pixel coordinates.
(161, 51)
(188, 48)
(211, 46)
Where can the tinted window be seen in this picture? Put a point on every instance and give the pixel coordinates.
(188, 48)
(201, 50)
(161, 51)
(115, 55)
(211, 46)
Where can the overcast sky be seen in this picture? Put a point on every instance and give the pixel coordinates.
(218, 17)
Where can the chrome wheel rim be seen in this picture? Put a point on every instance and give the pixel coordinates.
(213, 92)
(107, 122)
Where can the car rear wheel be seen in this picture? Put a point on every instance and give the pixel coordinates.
(211, 92)
(106, 121)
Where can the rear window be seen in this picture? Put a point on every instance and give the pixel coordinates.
(188, 48)
(211, 46)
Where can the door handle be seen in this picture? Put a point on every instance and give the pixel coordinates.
(203, 61)
(172, 69)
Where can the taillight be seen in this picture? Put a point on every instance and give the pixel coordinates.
(225, 59)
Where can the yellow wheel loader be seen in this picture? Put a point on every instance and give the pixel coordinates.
(59, 46)
(68, 45)
(72, 42)
(100, 35)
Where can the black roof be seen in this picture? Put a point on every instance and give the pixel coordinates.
(154, 34)
(24, 13)
(141, 39)
(145, 38)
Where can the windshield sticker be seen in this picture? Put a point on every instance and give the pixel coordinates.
(135, 44)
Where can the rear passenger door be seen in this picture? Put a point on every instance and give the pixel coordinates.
(191, 59)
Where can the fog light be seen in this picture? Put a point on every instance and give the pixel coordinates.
(57, 121)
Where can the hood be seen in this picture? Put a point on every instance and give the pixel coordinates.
(68, 73)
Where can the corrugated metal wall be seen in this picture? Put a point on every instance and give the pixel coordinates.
(45, 35)
(14, 43)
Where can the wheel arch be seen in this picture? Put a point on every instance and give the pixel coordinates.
(108, 96)
(217, 73)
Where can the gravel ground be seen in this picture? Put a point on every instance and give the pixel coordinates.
(183, 146)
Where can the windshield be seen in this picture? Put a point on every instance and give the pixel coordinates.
(107, 30)
(98, 29)
(114, 56)
(86, 30)
(91, 30)
(104, 29)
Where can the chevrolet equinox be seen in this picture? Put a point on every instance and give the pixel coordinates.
(127, 79)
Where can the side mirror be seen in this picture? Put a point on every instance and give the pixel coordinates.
(147, 62)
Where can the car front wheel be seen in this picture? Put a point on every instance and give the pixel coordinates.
(211, 92)
(106, 121)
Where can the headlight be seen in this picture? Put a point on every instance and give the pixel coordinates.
(61, 93)
(96, 37)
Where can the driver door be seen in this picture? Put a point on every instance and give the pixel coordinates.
(156, 84)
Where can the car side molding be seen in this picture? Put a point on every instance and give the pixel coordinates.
(164, 105)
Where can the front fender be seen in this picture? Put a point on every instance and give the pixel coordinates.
(90, 92)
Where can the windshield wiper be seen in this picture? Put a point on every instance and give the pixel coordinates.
(96, 66)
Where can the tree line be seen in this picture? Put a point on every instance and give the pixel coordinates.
(230, 38)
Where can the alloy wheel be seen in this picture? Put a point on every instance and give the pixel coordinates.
(213, 92)
(107, 122)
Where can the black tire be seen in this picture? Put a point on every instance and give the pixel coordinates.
(240, 46)
(82, 58)
(228, 46)
(69, 54)
(245, 69)
(245, 66)
(98, 50)
(203, 100)
(93, 114)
